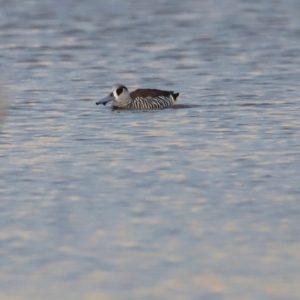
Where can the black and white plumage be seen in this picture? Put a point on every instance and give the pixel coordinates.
(139, 99)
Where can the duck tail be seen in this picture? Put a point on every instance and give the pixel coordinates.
(175, 95)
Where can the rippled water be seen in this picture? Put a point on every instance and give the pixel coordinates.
(199, 202)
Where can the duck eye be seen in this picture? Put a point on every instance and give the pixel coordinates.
(119, 91)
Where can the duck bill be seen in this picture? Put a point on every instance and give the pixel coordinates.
(105, 100)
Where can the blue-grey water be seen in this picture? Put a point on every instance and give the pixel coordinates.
(198, 202)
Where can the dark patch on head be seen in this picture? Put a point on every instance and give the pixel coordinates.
(119, 91)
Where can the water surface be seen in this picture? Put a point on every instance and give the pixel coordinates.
(198, 202)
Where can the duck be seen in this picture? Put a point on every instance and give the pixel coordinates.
(140, 99)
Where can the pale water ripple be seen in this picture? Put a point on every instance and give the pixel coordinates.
(197, 202)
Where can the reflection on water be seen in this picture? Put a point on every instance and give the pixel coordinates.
(2, 105)
(200, 201)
